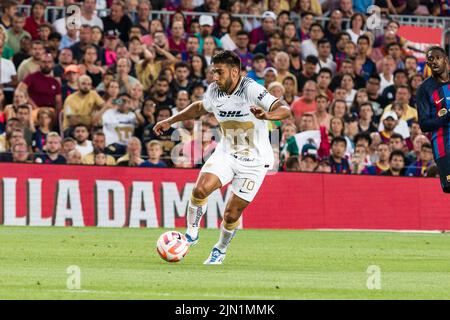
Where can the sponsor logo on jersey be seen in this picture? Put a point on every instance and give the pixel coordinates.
(229, 114)
(442, 112)
(262, 95)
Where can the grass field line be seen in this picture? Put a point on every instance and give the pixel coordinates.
(159, 294)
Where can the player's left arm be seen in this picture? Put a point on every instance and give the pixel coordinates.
(266, 106)
(278, 111)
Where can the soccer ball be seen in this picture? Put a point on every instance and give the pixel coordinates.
(172, 246)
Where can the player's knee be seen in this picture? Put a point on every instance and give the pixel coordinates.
(200, 192)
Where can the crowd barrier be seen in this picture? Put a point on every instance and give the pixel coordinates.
(67, 195)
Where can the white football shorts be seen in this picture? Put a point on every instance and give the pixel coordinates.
(245, 180)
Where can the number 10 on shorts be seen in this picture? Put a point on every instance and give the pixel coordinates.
(248, 185)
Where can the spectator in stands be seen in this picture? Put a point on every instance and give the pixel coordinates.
(322, 116)
(176, 40)
(259, 65)
(16, 33)
(117, 21)
(308, 73)
(206, 29)
(43, 89)
(418, 142)
(348, 85)
(24, 53)
(68, 144)
(293, 164)
(44, 126)
(262, 33)
(71, 38)
(307, 102)
(52, 150)
(382, 164)
(79, 48)
(88, 14)
(74, 157)
(143, 12)
(242, 50)
(324, 56)
(307, 19)
(20, 97)
(338, 50)
(192, 48)
(8, 75)
(309, 46)
(387, 72)
(20, 153)
(338, 163)
(368, 66)
(289, 32)
(182, 100)
(396, 164)
(414, 82)
(365, 122)
(99, 146)
(400, 79)
(182, 78)
(161, 94)
(282, 66)
(290, 90)
(31, 64)
(99, 158)
(334, 27)
(9, 9)
(198, 68)
(70, 83)
(357, 23)
(23, 114)
(154, 151)
(420, 167)
(133, 156)
(223, 22)
(36, 18)
(411, 66)
(402, 96)
(79, 107)
(81, 135)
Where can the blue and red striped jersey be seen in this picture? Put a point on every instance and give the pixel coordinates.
(433, 103)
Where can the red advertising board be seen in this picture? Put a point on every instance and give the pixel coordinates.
(421, 38)
(52, 195)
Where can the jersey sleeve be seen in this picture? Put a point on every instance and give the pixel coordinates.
(427, 121)
(207, 100)
(259, 96)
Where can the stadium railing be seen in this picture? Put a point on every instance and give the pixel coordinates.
(52, 13)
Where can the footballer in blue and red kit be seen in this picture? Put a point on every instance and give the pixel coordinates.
(433, 102)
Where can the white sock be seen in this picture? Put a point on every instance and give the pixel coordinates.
(224, 239)
(194, 216)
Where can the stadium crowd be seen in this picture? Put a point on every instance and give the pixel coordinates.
(92, 95)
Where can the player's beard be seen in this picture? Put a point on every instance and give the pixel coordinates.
(226, 86)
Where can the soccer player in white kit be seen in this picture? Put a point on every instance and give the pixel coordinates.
(244, 154)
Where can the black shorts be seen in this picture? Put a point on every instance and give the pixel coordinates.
(443, 165)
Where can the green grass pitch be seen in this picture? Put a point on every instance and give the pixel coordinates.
(260, 264)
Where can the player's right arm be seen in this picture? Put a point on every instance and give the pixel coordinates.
(430, 122)
(192, 111)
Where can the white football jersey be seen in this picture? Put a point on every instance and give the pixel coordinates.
(243, 135)
(118, 127)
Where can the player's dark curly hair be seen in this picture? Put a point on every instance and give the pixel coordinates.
(437, 48)
(227, 57)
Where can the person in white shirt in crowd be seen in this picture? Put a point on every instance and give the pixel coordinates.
(81, 135)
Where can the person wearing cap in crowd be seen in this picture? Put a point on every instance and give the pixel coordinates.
(118, 21)
(206, 30)
(270, 75)
(351, 125)
(79, 106)
(259, 65)
(262, 33)
(70, 80)
(402, 126)
(389, 120)
(110, 47)
(309, 161)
